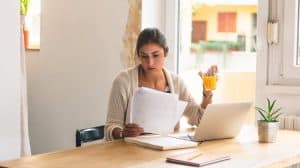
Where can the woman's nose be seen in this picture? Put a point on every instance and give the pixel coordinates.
(150, 61)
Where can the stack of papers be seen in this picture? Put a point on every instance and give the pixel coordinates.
(156, 111)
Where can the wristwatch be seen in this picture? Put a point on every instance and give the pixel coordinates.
(207, 96)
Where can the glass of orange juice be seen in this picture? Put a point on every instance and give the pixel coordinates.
(209, 82)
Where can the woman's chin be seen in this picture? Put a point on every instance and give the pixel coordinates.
(153, 71)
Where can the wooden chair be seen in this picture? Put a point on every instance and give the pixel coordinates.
(89, 134)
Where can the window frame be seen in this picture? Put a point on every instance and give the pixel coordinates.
(283, 70)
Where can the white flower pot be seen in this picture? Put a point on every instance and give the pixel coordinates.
(267, 131)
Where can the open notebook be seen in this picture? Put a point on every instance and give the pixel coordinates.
(161, 142)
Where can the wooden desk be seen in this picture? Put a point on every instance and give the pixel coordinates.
(245, 153)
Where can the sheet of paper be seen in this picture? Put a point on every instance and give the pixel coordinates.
(156, 111)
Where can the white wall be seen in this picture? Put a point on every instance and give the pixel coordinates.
(9, 80)
(163, 15)
(70, 78)
(153, 14)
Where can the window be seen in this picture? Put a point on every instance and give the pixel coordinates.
(227, 22)
(199, 31)
(210, 35)
(298, 52)
(32, 24)
(284, 68)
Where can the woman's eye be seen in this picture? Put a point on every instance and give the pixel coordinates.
(155, 55)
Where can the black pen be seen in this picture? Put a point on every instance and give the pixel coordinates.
(190, 137)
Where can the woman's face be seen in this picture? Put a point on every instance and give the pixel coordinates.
(152, 57)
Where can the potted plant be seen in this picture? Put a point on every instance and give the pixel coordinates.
(24, 4)
(269, 124)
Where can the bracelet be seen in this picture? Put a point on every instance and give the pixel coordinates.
(207, 96)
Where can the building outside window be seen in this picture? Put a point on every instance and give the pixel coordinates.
(32, 24)
(223, 33)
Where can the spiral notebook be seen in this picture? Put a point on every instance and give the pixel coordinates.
(197, 158)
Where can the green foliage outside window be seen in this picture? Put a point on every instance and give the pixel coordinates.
(24, 4)
(221, 46)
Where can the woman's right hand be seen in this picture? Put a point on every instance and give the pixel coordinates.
(132, 130)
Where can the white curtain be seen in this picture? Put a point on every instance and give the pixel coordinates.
(25, 145)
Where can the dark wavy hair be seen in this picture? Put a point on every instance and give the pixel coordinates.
(151, 35)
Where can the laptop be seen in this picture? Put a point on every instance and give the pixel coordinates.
(221, 121)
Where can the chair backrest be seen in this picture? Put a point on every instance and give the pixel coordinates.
(89, 134)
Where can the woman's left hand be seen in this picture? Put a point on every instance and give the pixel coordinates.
(207, 94)
(212, 70)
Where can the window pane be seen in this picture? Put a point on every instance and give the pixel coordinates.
(223, 33)
(32, 23)
(298, 51)
(283, 58)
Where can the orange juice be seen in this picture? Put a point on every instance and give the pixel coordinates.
(209, 82)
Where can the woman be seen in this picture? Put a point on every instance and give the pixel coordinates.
(152, 51)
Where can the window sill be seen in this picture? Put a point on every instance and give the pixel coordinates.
(280, 89)
(33, 48)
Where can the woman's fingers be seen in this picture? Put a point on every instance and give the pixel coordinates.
(132, 130)
(130, 125)
(135, 129)
(200, 73)
(131, 134)
(212, 70)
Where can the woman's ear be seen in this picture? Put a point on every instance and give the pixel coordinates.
(166, 54)
(166, 51)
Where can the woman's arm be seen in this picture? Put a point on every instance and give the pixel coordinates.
(207, 94)
(193, 110)
(206, 98)
(117, 106)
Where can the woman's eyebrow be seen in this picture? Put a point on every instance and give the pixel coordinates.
(155, 52)
(143, 53)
